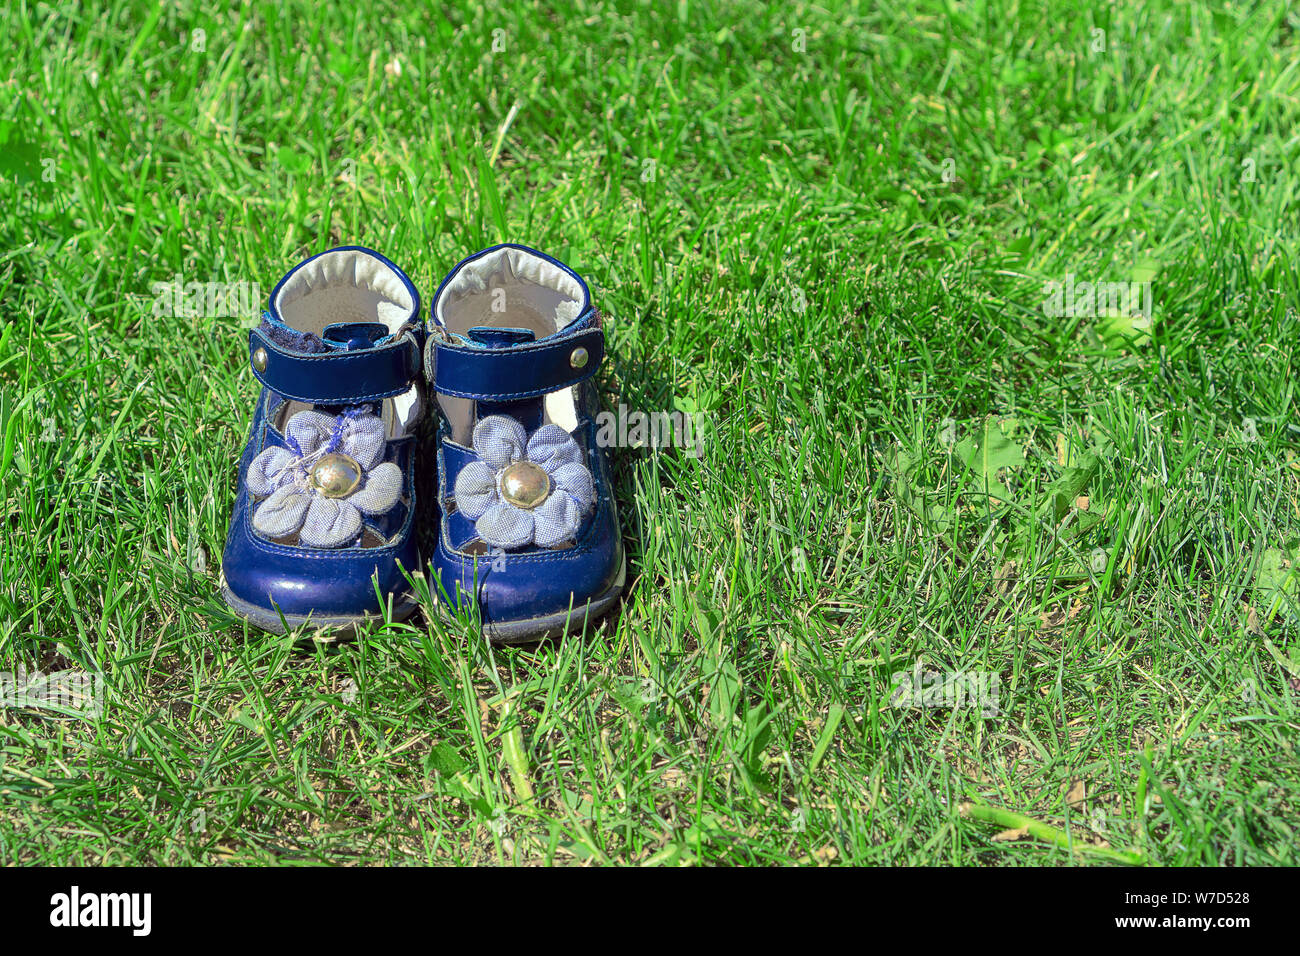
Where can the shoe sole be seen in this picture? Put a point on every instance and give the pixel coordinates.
(532, 629)
(525, 631)
(340, 626)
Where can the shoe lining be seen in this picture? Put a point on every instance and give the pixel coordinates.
(351, 285)
(511, 289)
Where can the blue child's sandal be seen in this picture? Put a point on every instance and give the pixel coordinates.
(322, 527)
(529, 529)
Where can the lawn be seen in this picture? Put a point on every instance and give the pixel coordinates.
(989, 310)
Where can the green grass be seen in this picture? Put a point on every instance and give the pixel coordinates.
(835, 243)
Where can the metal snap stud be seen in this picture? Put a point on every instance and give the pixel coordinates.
(578, 357)
(336, 475)
(260, 359)
(525, 485)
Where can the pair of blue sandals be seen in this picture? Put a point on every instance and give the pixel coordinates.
(325, 531)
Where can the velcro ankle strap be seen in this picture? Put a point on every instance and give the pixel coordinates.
(336, 377)
(517, 372)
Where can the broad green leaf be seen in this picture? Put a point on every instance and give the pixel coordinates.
(988, 453)
(1072, 482)
(1278, 583)
(444, 759)
(1125, 330)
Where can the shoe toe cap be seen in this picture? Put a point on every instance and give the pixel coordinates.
(267, 580)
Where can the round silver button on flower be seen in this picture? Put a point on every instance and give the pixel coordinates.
(336, 475)
(525, 485)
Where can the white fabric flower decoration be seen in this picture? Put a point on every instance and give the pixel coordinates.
(330, 475)
(524, 489)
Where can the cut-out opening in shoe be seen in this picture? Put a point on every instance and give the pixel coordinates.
(351, 286)
(397, 420)
(510, 288)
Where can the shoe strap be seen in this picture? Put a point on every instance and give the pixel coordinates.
(511, 373)
(338, 377)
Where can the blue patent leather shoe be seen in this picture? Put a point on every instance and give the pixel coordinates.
(323, 522)
(528, 525)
